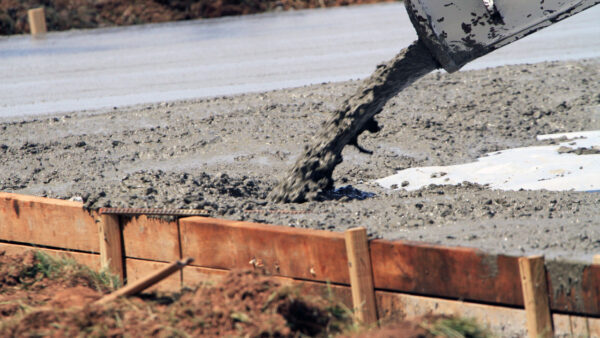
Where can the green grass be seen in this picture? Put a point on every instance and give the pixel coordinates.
(457, 327)
(66, 268)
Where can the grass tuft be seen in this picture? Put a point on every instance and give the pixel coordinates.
(66, 268)
(457, 327)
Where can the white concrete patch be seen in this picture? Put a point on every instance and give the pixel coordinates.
(531, 168)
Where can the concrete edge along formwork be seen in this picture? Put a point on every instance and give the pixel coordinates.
(408, 278)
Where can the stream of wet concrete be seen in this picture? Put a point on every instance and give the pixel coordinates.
(226, 154)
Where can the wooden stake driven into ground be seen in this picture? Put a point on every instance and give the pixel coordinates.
(111, 249)
(596, 260)
(144, 283)
(37, 21)
(361, 275)
(535, 296)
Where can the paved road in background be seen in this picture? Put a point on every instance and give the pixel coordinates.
(100, 68)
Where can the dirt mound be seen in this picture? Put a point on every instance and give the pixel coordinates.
(45, 296)
(68, 14)
(41, 295)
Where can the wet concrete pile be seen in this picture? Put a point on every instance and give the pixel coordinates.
(226, 155)
(312, 173)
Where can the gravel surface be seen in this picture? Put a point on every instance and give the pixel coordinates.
(226, 154)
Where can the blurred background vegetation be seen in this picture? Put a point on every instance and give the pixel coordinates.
(68, 14)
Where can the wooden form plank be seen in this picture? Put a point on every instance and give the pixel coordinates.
(361, 276)
(504, 321)
(579, 326)
(310, 254)
(138, 269)
(298, 253)
(432, 270)
(535, 296)
(37, 21)
(150, 238)
(49, 222)
(574, 287)
(594, 327)
(111, 247)
(88, 259)
(596, 260)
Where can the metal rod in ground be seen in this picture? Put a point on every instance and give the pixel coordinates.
(144, 283)
(535, 296)
(361, 275)
(37, 21)
(153, 212)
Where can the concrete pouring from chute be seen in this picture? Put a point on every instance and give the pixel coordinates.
(573, 163)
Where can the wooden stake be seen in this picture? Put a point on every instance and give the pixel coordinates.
(596, 260)
(144, 283)
(361, 275)
(37, 21)
(535, 296)
(111, 250)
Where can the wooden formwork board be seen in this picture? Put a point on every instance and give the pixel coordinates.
(311, 255)
(47, 222)
(503, 321)
(88, 259)
(137, 269)
(435, 270)
(409, 267)
(289, 252)
(390, 305)
(150, 238)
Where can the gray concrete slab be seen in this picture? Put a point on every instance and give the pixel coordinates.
(91, 69)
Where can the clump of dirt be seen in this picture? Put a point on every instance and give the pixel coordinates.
(313, 171)
(41, 295)
(45, 296)
(69, 14)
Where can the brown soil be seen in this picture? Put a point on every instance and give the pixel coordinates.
(35, 302)
(68, 14)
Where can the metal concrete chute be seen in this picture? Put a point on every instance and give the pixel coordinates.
(459, 31)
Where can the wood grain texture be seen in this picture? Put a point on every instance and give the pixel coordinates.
(150, 238)
(453, 272)
(37, 21)
(581, 295)
(141, 284)
(111, 247)
(88, 259)
(48, 222)
(298, 253)
(138, 269)
(594, 327)
(361, 276)
(535, 296)
(579, 326)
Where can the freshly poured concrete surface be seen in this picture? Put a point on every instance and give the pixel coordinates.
(554, 167)
(226, 154)
(91, 69)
